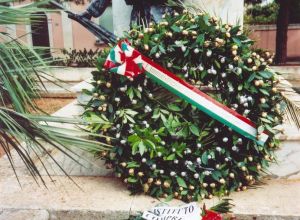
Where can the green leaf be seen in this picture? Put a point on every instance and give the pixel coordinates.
(204, 158)
(175, 29)
(195, 130)
(162, 49)
(237, 41)
(150, 144)
(169, 198)
(131, 112)
(200, 39)
(130, 93)
(265, 92)
(174, 108)
(132, 165)
(266, 74)
(132, 180)
(251, 78)
(133, 138)
(153, 50)
(142, 148)
(216, 175)
(171, 157)
(181, 182)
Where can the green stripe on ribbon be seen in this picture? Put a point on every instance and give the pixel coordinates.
(202, 108)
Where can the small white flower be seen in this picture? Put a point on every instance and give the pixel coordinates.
(183, 174)
(122, 89)
(200, 67)
(247, 111)
(117, 99)
(234, 148)
(159, 154)
(216, 130)
(230, 66)
(207, 173)
(225, 139)
(223, 75)
(199, 145)
(209, 157)
(172, 173)
(208, 53)
(176, 161)
(161, 171)
(134, 102)
(196, 175)
(144, 160)
(196, 50)
(198, 160)
(218, 149)
(238, 70)
(123, 141)
(169, 65)
(118, 135)
(183, 48)
(153, 166)
(223, 59)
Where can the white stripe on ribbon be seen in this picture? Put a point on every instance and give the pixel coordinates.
(210, 106)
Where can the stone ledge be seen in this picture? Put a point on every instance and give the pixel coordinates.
(13, 214)
(108, 199)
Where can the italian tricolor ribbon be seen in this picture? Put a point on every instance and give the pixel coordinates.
(125, 60)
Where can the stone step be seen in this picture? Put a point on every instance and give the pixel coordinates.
(108, 199)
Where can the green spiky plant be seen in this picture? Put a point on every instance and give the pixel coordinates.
(20, 76)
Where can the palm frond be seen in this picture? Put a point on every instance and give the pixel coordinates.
(291, 100)
(21, 73)
(31, 139)
(20, 14)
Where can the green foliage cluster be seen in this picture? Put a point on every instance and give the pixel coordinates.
(165, 147)
(78, 58)
(258, 14)
(267, 14)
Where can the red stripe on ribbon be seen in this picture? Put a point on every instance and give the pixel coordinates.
(194, 89)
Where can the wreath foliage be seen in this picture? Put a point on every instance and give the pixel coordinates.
(165, 147)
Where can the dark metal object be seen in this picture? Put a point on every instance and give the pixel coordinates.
(105, 35)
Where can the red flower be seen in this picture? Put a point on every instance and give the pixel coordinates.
(211, 215)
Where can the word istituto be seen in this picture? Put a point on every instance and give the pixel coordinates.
(187, 212)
